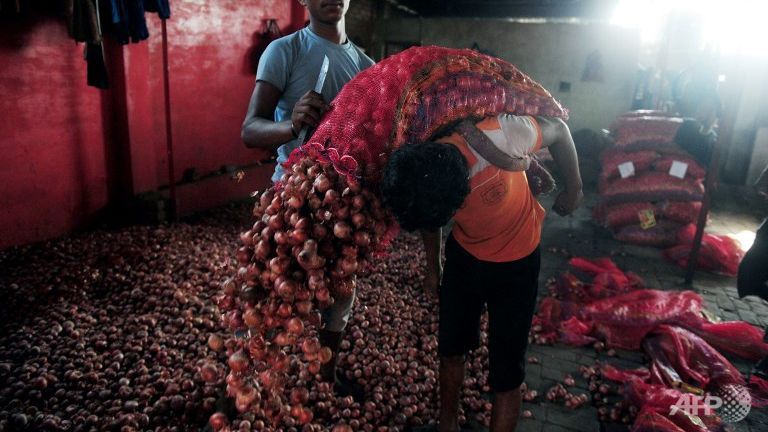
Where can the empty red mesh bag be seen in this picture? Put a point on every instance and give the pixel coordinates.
(547, 318)
(660, 420)
(649, 420)
(758, 388)
(576, 332)
(625, 319)
(608, 279)
(684, 356)
(613, 373)
(654, 397)
(411, 96)
(719, 254)
(655, 402)
(735, 337)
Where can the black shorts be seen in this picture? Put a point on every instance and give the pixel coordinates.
(509, 290)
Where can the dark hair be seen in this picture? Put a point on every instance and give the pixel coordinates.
(424, 184)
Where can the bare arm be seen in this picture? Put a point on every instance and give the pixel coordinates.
(259, 128)
(433, 249)
(557, 137)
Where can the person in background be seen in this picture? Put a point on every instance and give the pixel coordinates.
(697, 100)
(283, 102)
(492, 254)
(752, 278)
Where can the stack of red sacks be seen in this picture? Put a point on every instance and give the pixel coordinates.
(649, 186)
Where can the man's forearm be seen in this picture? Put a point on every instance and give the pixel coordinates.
(266, 134)
(564, 153)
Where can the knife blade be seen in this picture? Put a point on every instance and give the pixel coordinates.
(318, 89)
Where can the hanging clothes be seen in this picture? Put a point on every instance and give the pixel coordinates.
(97, 68)
(162, 7)
(83, 23)
(128, 21)
(83, 20)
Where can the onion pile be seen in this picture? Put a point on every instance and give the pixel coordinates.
(113, 330)
(105, 331)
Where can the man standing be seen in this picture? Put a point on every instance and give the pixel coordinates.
(476, 175)
(283, 102)
(753, 270)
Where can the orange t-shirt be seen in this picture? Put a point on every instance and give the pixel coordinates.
(500, 219)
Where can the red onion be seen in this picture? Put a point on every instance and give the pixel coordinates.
(322, 184)
(342, 230)
(238, 362)
(295, 326)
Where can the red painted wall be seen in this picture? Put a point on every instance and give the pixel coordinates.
(52, 169)
(210, 81)
(65, 146)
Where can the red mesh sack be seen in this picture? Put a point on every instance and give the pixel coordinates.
(735, 337)
(679, 211)
(684, 356)
(609, 280)
(318, 227)
(695, 170)
(718, 254)
(758, 388)
(576, 332)
(659, 420)
(619, 215)
(546, 322)
(568, 287)
(653, 397)
(412, 96)
(664, 234)
(652, 186)
(649, 420)
(612, 158)
(625, 319)
(594, 266)
(658, 399)
(613, 373)
(629, 131)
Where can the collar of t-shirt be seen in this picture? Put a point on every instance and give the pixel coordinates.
(346, 46)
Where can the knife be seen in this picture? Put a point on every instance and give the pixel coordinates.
(318, 89)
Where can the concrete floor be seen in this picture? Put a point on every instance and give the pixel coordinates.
(735, 211)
